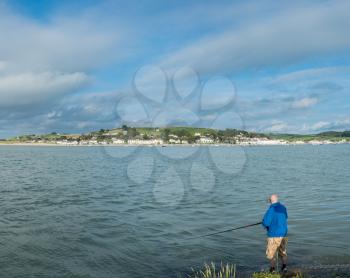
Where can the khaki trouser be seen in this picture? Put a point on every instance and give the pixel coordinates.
(274, 244)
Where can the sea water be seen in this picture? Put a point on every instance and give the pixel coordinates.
(130, 211)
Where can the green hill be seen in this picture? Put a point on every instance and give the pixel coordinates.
(184, 134)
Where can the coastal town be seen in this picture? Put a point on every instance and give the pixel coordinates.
(176, 136)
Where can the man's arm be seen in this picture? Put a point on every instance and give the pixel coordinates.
(267, 218)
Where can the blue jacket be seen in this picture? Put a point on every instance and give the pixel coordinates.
(275, 220)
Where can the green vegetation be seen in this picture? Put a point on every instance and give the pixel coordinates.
(176, 135)
(275, 275)
(210, 271)
(266, 275)
(333, 136)
(229, 271)
(184, 134)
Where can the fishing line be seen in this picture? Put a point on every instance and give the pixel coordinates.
(225, 231)
(227, 253)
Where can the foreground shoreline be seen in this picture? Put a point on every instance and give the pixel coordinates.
(229, 270)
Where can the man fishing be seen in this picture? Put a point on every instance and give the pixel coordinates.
(275, 222)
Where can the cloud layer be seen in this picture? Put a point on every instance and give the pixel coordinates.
(289, 62)
(285, 37)
(63, 44)
(43, 63)
(27, 89)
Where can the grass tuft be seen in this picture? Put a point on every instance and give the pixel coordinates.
(210, 271)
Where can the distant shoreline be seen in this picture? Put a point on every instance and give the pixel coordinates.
(167, 145)
(175, 136)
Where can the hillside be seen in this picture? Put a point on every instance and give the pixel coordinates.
(177, 135)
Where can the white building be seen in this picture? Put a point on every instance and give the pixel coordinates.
(67, 143)
(84, 142)
(174, 141)
(145, 142)
(117, 141)
(205, 140)
(261, 141)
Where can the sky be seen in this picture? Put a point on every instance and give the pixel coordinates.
(264, 66)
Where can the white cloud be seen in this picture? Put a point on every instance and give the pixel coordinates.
(310, 74)
(47, 60)
(32, 88)
(2, 65)
(278, 39)
(277, 126)
(320, 125)
(64, 44)
(336, 125)
(304, 103)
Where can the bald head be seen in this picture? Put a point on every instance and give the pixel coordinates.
(273, 198)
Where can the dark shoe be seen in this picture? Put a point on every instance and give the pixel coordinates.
(284, 268)
(272, 270)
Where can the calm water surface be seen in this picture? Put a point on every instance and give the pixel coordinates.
(95, 212)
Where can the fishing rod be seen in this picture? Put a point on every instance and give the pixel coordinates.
(228, 230)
